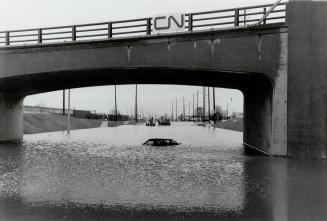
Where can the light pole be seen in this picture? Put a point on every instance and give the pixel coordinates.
(183, 109)
(193, 109)
(176, 109)
(63, 102)
(214, 104)
(68, 115)
(209, 104)
(228, 106)
(116, 112)
(172, 110)
(189, 110)
(204, 105)
(136, 103)
(197, 105)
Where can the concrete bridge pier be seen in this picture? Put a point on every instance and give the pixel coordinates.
(11, 118)
(265, 120)
(257, 119)
(265, 108)
(307, 79)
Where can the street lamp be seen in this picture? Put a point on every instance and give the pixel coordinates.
(228, 106)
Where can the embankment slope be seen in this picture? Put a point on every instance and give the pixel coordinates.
(235, 124)
(40, 123)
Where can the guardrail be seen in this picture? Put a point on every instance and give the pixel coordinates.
(213, 20)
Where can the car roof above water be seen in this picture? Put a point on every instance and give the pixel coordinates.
(161, 142)
(160, 139)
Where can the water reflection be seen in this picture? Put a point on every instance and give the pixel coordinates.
(106, 172)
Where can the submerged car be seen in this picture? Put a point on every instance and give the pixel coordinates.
(150, 124)
(161, 142)
(164, 122)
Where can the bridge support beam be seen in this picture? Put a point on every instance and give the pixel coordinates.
(307, 79)
(11, 118)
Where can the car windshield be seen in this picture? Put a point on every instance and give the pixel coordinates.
(173, 142)
(149, 142)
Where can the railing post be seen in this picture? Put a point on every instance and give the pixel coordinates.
(244, 17)
(109, 30)
(190, 22)
(74, 33)
(39, 39)
(237, 17)
(264, 12)
(7, 38)
(148, 26)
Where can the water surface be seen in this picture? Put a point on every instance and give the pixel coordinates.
(102, 173)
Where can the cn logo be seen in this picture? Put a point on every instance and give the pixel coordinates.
(169, 23)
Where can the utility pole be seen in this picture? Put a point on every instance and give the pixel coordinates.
(172, 110)
(63, 102)
(214, 103)
(214, 98)
(193, 108)
(135, 103)
(197, 105)
(189, 110)
(176, 109)
(68, 115)
(116, 112)
(204, 105)
(209, 103)
(183, 109)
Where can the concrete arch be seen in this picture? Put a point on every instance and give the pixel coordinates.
(47, 82)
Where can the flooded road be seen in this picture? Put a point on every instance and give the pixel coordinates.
(106, 173)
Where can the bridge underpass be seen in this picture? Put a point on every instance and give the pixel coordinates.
(200, 59)
(266, 63)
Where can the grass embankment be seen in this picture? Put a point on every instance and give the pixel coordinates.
(235, 123)
(40, 123)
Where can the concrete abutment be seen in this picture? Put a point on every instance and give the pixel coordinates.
(265, 109)
(11, 118)
(265, 117)
(298, 101)
(307, 79)
(257, 119)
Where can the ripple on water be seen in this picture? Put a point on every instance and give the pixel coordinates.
(110, 167)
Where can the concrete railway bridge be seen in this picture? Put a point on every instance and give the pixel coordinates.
(279, 65)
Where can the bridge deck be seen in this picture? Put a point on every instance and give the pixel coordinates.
(208, 20)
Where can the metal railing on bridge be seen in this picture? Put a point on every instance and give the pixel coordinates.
(208, 20)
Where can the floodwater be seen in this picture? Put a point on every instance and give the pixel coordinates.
(106, 174)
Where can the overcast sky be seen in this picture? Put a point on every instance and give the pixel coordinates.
(21, 14)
